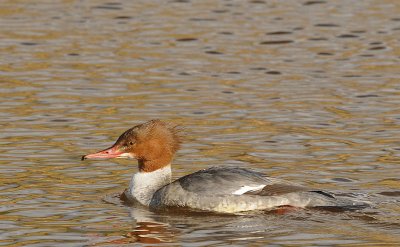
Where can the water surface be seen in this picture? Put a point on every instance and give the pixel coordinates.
(302, 90)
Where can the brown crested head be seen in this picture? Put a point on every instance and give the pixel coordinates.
(153, 144)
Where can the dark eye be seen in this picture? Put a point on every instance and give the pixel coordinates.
(131, 143)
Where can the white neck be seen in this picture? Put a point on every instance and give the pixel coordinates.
(144, 184)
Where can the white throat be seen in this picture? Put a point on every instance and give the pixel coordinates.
(144, 184)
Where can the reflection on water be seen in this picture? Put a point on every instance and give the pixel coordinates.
(303, 90)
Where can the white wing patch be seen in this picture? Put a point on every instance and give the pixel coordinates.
(246, 188)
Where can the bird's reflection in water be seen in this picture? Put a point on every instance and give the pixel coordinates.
(151, 233)
(148, 227)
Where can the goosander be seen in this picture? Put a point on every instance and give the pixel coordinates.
(220, 189)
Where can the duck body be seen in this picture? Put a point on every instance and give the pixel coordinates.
(235, 189)
(222, 189)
